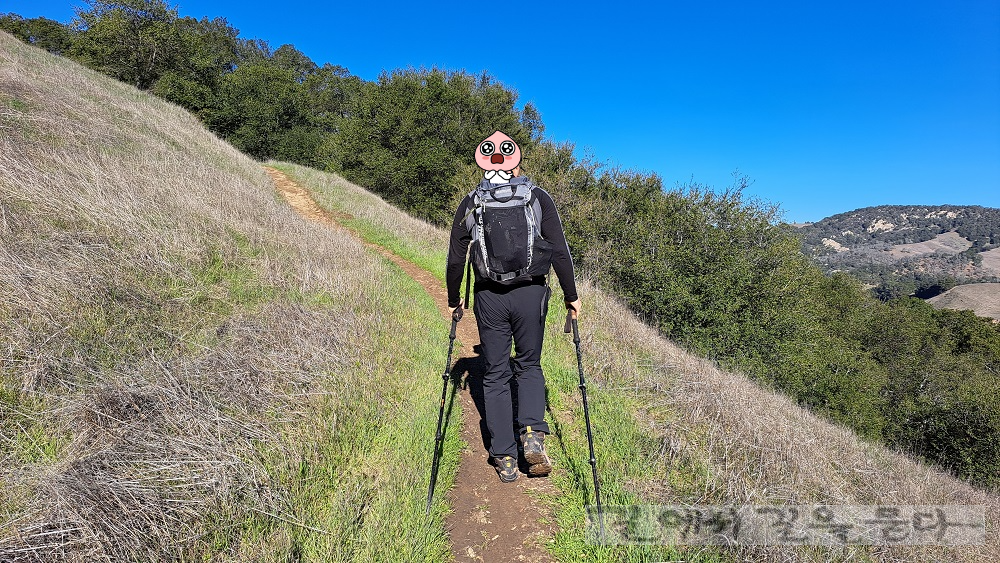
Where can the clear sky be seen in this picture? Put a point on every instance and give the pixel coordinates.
(826, 105)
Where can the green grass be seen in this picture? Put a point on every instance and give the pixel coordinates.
(384, 443)
(15, 104)
(357, 490)
(428, 259)
(627, 456)
(12, 112)
(25, 437)
(141, 311)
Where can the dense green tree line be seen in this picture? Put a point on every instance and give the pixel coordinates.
(406, 136)
(711, 269)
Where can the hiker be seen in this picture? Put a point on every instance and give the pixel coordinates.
(515, 235)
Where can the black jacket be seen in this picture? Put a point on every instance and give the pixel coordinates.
(552, 231)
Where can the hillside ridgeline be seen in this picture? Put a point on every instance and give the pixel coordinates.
(909, 249)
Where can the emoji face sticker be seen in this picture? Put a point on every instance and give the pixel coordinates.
(498, 154)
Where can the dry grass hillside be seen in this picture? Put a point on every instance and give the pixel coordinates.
(991, 260)
(188, 369)
(947, 243)
(981, 298)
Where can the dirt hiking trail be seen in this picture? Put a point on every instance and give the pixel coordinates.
(492, 521)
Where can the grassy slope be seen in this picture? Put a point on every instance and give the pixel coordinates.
(983, 299)
(672, 428)
(188, 370)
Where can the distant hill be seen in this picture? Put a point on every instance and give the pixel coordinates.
(981, 298)
(909, 249)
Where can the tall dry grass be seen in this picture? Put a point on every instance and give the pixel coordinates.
(752, 445)
(414, 239)
(169, 329)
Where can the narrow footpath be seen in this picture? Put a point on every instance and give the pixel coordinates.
(491, 521)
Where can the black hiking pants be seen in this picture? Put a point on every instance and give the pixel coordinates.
(519, 314)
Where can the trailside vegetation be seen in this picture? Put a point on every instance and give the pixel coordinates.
(720, 274)
(710, 268)
(190, 371)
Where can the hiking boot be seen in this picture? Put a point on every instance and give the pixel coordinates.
(506, 467)
(534, 452)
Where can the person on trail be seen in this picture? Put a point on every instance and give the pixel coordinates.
(516, 236)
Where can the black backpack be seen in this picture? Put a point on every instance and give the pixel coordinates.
(505, 224)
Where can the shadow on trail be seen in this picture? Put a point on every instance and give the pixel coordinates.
(472, 370)
(456, 378)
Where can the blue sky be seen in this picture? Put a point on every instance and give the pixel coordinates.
(826, 106)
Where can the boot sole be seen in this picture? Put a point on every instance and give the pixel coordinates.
(534, 458)
(539, 463)
(540, 469)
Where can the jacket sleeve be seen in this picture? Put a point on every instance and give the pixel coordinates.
(458, 246)
(552, 230)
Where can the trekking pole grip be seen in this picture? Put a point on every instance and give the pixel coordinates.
(579, 364)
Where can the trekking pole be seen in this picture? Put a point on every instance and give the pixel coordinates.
(438, 437)
(586, 416)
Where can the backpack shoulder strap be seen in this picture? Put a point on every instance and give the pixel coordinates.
(475, 200)
(536, 206)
